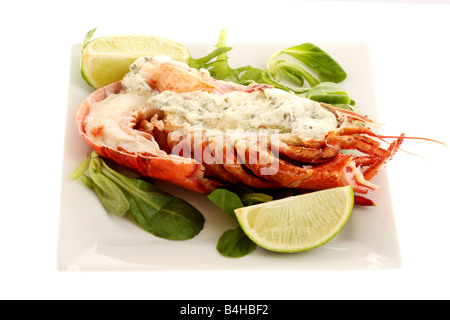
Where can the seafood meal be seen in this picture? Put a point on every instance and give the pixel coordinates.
(179, 125)
(281, 150)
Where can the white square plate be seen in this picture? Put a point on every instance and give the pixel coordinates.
(90, 239)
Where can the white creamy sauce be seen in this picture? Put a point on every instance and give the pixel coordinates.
(271, 109)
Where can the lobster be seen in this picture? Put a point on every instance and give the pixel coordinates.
(170, 122)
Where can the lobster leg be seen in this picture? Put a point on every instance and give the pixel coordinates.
(300, 153)
(381, 162)
(377, 158)
(238, 170)
(214, 162)
(340, 171)
(218, 157)
(352, 138)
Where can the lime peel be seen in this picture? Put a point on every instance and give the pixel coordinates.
(107, 59)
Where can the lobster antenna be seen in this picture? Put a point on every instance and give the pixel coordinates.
(415, 138)
(382, 137)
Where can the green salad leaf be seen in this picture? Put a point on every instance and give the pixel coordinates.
(155, 211)
(108, 192)
(291, 71)
(317, 60)
(234, 243)
(329, 92)
(203, 62)
(88, 37)
(255, 198)
(308, 71)
(86, 40)
(220, 69)
(82, 168)
(256, 75)
(278, 68)
(227, 201)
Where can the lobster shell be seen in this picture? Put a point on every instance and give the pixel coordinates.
(185, 172)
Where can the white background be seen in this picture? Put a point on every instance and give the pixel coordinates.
(410, 49)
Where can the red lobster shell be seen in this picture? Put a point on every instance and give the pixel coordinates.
(302, 164)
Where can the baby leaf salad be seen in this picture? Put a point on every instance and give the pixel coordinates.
(155, 211)
(303, 70)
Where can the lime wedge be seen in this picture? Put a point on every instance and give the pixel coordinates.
(107, 59)
(298, 223)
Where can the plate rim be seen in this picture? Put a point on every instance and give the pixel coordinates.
(63, 265)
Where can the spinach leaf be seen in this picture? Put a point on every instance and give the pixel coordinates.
(227, 201)
(88, 37)
(87, 181)
(156, 211)
(235, 243)
(319, 61)
(255, 198)
(164, 215)
(108, 192)
(86, 40)
(82, 168)
(202, 62)
(257, 75)
(220, 68)
(252, 75)
(292, 71)
(283, 74)
(329, 92)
